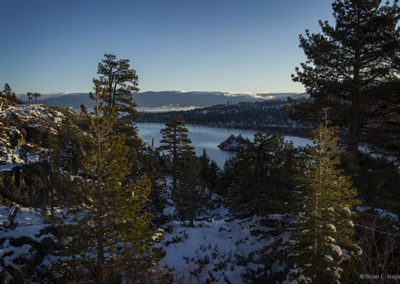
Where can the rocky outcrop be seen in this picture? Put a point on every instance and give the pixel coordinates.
(24, 140)
(26, 185)
(233, 143)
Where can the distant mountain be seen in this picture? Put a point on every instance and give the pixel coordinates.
(267, 114)
(169, 99)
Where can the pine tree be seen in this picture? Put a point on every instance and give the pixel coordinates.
(119, 81)
(30, 96)
(352, 67)
(7, 90)
(209, 171)
(227, 178)
(176, 142)
(36, 95)
(107, 203)
(9, 96)
(65, 150)
(264, 172)
(189, 197)
(324, 228)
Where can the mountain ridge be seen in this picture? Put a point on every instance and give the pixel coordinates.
(163, 99)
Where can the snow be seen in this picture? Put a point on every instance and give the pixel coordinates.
(331, 240)
(32, 113)
(278, 216)
(363, 208)
(332, 227)
(336, 249)
(385, 214)
(220, 249)
(16, 252)
(29, 227)
(29, 222)
(31, 116)
(347, 211)
(380, 212)
(329, 257)
(13, 157)
(7, 167)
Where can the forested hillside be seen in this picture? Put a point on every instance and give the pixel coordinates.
(269, 114)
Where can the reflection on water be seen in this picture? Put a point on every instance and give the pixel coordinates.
(205, 137)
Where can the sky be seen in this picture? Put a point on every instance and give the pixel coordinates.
(54, 46)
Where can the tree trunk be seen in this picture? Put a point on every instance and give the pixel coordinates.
(174, 162)
(354, 139)
(354, 127)
(99, 194)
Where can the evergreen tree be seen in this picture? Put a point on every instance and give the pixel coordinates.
(227, 178)
(324, 228)
(151, 164)
(176, 142)
(7, 90)
(64, 155)
(264, 172)
(36, 95)
(7, 96)
(119, 81)
(65, 150)
(209, 171)
(352, 67)
(108, 204)
(30, 96)
(189, 197)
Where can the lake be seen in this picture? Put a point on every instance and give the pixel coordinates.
(206, 137)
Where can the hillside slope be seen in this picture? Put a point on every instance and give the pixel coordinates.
(269, 114)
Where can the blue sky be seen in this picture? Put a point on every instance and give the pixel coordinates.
(53, 46)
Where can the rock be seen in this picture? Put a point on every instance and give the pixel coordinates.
(26, 185)
(16, 136)
(233, 144)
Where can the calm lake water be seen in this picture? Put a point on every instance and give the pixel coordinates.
(205, 137)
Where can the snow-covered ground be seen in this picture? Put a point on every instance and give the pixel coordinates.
(19, 242)
(220, 249)
(33, 113)
(12, 157)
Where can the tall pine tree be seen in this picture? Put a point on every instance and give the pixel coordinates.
(189, 196)
(119, 81)
(175, 140)
(324, 229)
(111, 234)
(352, 67)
